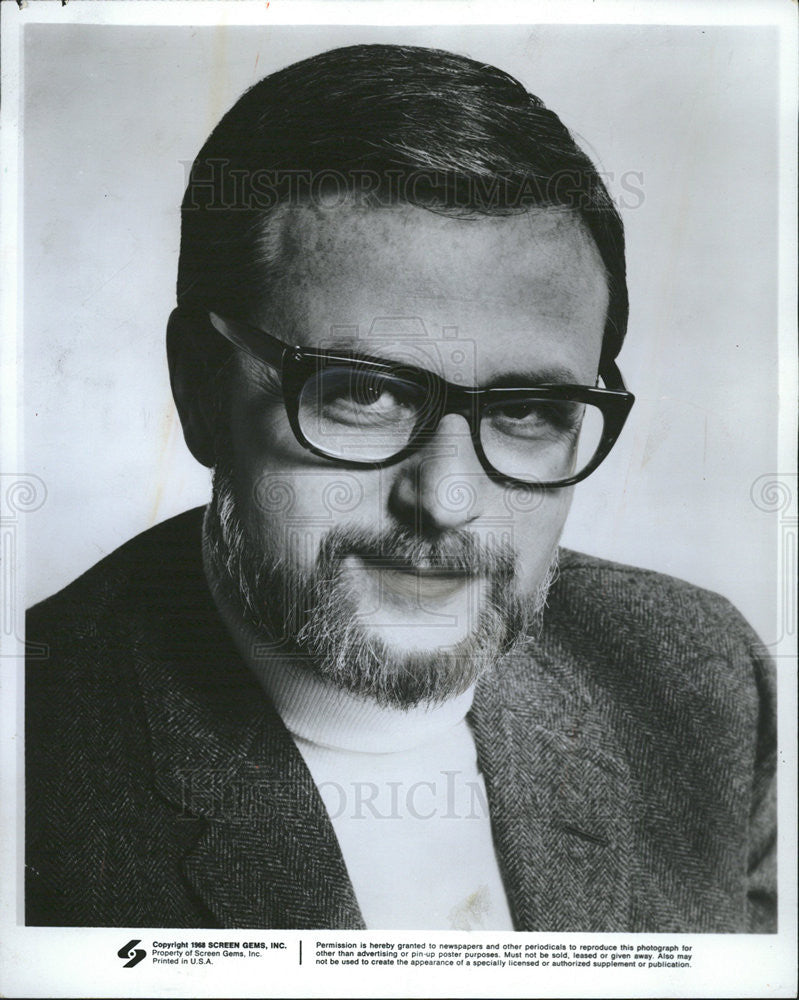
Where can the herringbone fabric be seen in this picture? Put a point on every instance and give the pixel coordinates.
(628, 756)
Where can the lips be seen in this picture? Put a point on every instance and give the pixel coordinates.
(422, 584)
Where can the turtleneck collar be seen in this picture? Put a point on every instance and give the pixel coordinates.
(314, 710)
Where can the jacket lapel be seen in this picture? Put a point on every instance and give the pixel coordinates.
(266, 854)
(278, 863)
(559, 803)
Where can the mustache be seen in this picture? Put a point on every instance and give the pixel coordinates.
(456, 551)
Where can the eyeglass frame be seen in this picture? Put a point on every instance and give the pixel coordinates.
(295, 365)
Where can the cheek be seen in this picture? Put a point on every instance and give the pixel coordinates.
(291, 505)
(536, 533)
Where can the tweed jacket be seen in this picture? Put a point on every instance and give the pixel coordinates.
(628, 756)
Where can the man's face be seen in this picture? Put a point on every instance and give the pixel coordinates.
(405, 582)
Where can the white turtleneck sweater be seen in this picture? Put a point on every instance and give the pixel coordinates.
(405, 797)
(406, 800)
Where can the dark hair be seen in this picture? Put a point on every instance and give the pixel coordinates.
(388, 124)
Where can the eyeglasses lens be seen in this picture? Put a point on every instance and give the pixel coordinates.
(358, 414)
(540, 441)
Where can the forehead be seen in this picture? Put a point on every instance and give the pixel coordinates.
(516, 292)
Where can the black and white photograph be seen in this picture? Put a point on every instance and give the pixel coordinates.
(399, 499)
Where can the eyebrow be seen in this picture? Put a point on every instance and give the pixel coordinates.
(549, 375)
(554, 374)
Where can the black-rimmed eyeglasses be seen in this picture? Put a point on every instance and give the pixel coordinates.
(366, 412)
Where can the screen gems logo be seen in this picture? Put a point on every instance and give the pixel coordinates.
(130, 951)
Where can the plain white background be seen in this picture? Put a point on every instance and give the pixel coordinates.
(681, 120)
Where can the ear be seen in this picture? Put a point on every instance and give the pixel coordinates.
(195, 355)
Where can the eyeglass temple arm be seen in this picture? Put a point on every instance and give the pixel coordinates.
(611, 376)
(255, 342)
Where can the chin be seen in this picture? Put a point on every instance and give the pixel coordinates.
(413, 613)
(414, 639)
(406, 662)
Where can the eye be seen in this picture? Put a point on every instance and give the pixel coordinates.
(534, 418)
(516, 411)
(369, 391)
(353, 396)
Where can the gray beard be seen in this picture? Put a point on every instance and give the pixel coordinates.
(312, 616)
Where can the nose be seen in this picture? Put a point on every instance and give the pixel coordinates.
(442, 486)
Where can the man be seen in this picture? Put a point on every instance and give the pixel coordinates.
(364, 687)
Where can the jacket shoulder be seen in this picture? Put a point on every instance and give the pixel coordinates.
(138, 572)
(687, 692)
(612, 597)
(138, 606)
(664, 649)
